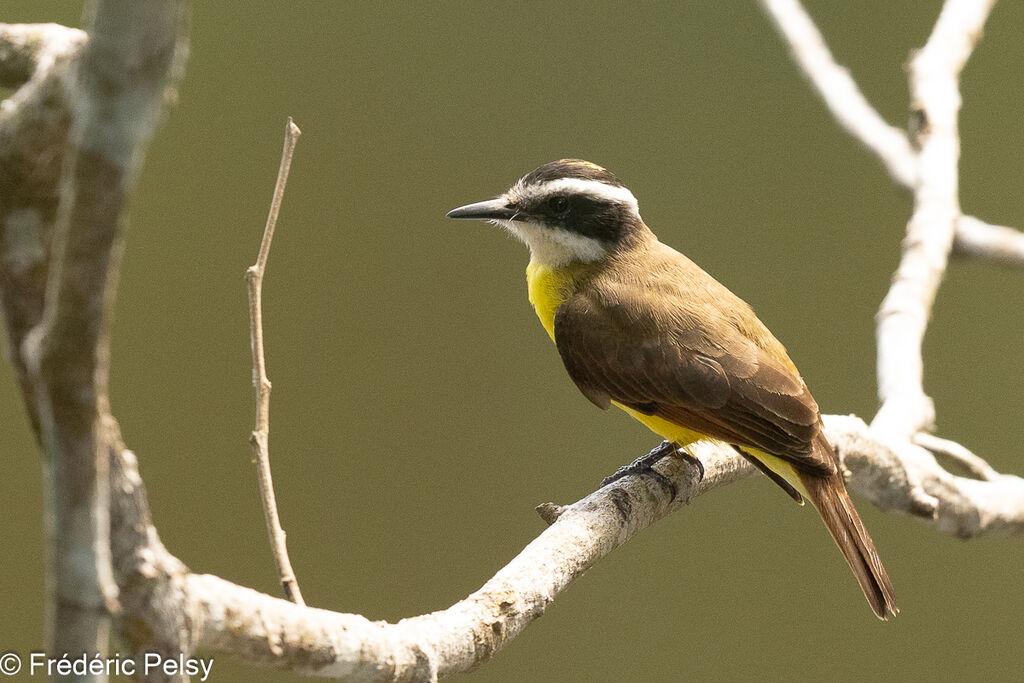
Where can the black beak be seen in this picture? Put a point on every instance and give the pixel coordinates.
(492, 209)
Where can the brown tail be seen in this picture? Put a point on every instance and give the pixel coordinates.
(828, 494)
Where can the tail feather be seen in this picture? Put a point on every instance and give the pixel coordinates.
(828, 494)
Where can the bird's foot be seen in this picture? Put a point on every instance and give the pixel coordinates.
(694, 460)
(645, 465)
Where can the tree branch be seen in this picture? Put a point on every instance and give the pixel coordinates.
(260, 438)
(929, 168)
(904, 313)
(226, 618)
(861, 120)
(996, 242)
(839, 91)
(34, 124)
(28, 51)
(117, 91)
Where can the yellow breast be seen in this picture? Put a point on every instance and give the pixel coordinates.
(547, 290)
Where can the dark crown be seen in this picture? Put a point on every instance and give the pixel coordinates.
(571, 168)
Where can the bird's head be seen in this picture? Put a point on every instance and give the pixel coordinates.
(566, 211)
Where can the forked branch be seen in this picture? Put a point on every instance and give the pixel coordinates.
(926, 163)
(840, 93)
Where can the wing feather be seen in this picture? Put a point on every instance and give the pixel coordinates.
(676, 357)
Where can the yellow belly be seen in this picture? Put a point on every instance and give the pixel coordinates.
(548, 289)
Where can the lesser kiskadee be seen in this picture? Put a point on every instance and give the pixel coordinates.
(640, 326)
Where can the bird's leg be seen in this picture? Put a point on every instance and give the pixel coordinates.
(645, 463)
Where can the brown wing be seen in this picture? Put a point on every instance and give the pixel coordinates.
(675, 355)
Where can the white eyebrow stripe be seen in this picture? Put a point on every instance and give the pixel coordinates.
(593, 188)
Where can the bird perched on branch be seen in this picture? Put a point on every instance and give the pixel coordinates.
(641, 327)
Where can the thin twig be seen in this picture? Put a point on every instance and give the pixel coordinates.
(260, 438)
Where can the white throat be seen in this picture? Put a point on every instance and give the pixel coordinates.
(553, 247)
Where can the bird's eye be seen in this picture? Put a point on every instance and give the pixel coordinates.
(559, 205)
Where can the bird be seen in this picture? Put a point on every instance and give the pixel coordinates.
(641, 327)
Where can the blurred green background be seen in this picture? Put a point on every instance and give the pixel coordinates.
(419, 410)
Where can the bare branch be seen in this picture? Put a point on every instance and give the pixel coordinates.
(904, 313)
(226, 618)
(995, 242)
(260, 438)
(30, 50)
(117, 93)
(937, 225)
(861, 120)
(906, 477)
(840, 93)
(34, 125)
(957, 454)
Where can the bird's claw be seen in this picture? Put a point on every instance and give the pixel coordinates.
(644, 465)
